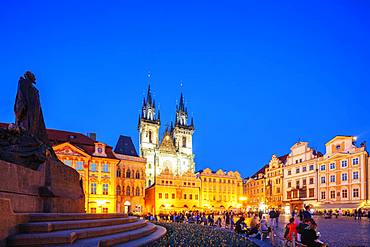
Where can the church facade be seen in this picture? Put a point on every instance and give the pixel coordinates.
(172, 152)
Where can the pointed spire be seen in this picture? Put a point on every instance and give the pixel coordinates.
(181, 104)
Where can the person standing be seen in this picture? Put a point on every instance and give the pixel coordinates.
(355, 213)
(272, 215)
(277, 214)
(307, 213)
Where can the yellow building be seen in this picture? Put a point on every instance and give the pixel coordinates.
(130, 178)
(96, 164)
(220, 190)
(274, 182)
(173, 193)
(343, 175)
(255, 191)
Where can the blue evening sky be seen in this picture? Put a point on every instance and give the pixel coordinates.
(257, 75)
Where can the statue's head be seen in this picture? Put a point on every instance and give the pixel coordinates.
(30, 76)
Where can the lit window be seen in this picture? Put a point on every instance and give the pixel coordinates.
(79, 165)
(105, 189)
(344, 163)
(166, 196)
(93, 188)
(355, 175)
(160, 195)
(344, 177)
(93, 210)
(173, 196)
(105, 210)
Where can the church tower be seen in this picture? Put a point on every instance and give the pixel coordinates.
(148, 126)
(183, 136)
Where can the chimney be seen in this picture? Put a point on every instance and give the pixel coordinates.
(92, 136)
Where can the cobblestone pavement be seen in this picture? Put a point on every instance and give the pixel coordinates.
(341, 232)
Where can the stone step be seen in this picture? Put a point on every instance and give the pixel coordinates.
(34, 227)
(114, 239)
(39, 217)
(143, 241)
(69, 236)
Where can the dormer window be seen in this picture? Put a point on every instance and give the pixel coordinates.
(100, 149)
(337, 147)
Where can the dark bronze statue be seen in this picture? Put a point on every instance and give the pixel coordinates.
(26, 143)
(27, 108)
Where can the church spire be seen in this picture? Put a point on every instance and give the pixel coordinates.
(182, 113)
(148, 108)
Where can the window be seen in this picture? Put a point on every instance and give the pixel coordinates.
(322, 194)
(337, 147)
(105, 168)
(311, 192)
(173, 195)
(184, 141)
(150, 136)
(79, 165)
(304, 182)
(289, 184)
(289, 172)
(344, 193)
(166, 196)
(355, 192)
(160, 195)
(355, 175)
(128, 190)
(137, 175)
(332, 166)
(185, 196)
(332, 194)
(355, 161)
(118, 190)
(196, 197)
(93, 167)
(297, 184)
(312, 167)
(149, 182)
(344, 177)
(118, 173)
(322, 180)
(105, 210)
(137, 192)
(332, 178)
(93, 188)
(322, 168)
(68, 162)
(297, 170)
(191, 196)
(344, 163)
(105, 189)
(128, 173)
(93, 210)
(311, 180)
(300, 160)
(289, 195)
(304, 169)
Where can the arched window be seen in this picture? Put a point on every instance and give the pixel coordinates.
(128, 173)
(118, 190)
(150, 136)
(137, 176)
(128, 190)
(149, 182)
(118, 173)
(137, 191)
(150, 166)
(184, 141)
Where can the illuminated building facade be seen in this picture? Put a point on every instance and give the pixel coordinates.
(274, 182)
(220, 190)
(96, 164)
(255, 191)
(343, 175)
(173, 193)
(300, 177)
(130, 178)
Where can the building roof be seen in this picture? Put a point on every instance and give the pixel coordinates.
(262, 170)
(79, 140)
(283, 158)
(125, 146)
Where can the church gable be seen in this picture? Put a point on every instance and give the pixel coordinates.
(167, 144)
(69, 150)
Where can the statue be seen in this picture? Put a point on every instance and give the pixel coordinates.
(27, 108)
(26, 142)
